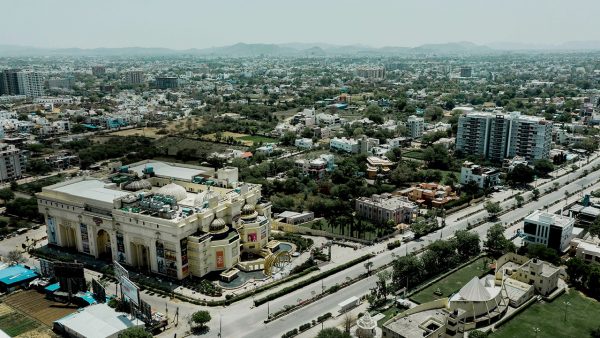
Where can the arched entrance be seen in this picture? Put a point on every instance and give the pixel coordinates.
(68, 236)
(103, 245)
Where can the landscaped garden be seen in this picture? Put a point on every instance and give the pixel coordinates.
(582, 315)
(453, 282)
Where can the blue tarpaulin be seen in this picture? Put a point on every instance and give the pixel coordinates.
(16, 274)
(52, 287)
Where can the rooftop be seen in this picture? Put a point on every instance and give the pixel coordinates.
(91, 189)
(539, 216)
(168, 170)
(412, 326)
(97, 321)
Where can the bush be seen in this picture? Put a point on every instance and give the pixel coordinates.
(305, 327)
(324, 317)
(394, 244)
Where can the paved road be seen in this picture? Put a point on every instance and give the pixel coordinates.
(243, 320)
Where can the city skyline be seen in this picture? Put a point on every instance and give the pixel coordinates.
(186, 24)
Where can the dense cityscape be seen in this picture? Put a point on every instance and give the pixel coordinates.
(300, 190)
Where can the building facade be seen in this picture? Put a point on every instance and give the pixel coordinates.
(166, 82)
(385, 207)
(170, 219)
(482, 176)
(31, 84)
(497, 136)
(415, 126)
(134, 77)
(12, 162)
(551, 230)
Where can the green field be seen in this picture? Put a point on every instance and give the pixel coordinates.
(451, 283)
(416, 154)
(257, 139)
(15, 324)
(582, 316)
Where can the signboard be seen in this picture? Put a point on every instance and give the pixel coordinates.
(220, 259)
(46, 268)
(120, 248)
(98, 291)
(120, 271)
(85, 240)
(263, 232)
(184, 258)
(70, 277)
(130, 290)
(146, 311)
(252, 237)
(51, 230)
(160, 257)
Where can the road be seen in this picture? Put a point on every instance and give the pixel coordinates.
(243, 320)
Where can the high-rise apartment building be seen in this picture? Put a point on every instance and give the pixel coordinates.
(466, 72)
(415, 126)
(9, 83)
(166, 82)
(498, 136)
(98, 70)
(134, 77)
(31, 84)
(12, 162)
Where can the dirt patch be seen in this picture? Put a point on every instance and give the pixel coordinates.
(35, 305)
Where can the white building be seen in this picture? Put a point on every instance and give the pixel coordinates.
(171, 219)
(12, 162)
(483, 177)
(348, 145)
(415, 126)
(31, 84)
(551, 230)
(304, 143)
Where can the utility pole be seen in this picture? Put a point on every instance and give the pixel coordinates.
(268, 311)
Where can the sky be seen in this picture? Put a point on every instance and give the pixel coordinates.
(182, 24)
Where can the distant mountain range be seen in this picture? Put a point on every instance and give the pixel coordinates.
(304, 50)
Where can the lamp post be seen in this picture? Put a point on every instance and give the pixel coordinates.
(567, 304)
(536, 330)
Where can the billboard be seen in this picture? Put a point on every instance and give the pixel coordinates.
(130, 290)
(70, 277)
(120, 247)
(146, 311)
(120, 271)
(183, 246)
(98, 291)
(46, 268)
(85, 239)
(220, 259)
(51, 230)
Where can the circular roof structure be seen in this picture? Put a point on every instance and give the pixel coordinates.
(248, 209)
(366, 322)
(217, 225)
(174, 190)
(138, 185)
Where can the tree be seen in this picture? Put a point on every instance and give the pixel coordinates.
(536, 194)
(332, 332)
(520, 175)
(594, 228)
(349, 320)
(288, 139)
(382, 288)
(406, 271)
(595, 333)
(543, 167)
(477, 334)
(15, 257)
(368, 266)
(519, 200)
(6, 195)
(135, 332)
(200, 318)
(493, 208)
(497, 244)
(577, 269)
(542, 252)
(437, 157)
(467, 243)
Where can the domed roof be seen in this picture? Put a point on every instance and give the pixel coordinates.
(138, 185)
(217, 225)
(248, 209)
(174, 190)
(366, 322)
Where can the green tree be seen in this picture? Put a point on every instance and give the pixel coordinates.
(477, 334)
(520, 175)
(135, 332)
(577, 269)
(595, 333)
(519, 200)
(332, 332)
(543, 167)
(467, 243)
(436, 157)
(594, 228)
(497, 244)
(200, 318)
(406, 271)
(492, 208)
(15, 257)
(6, 195)
(536, 194)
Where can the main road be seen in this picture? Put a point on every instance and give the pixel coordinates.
(242, 319)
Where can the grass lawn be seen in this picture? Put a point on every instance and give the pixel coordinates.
(15, 324)
(256, 138)
(389, 313)
(416, 154)
(582, 315)
(452, 282)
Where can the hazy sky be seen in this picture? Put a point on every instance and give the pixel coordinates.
(185, 24)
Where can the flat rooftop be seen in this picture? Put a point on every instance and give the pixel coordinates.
(91, 189)
(411, 325)
(539, 216)
(164, 169)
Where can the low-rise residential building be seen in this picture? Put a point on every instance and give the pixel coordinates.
(430, 194)
(386, 207)
(482, 176)
(587, 249)
(292, 217)
(304, 143)
(551, 230)
(378, 166)
(542, 275)
(348, 145)
(316, 168)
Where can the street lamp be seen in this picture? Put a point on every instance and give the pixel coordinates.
(567, 304)
(536, 330)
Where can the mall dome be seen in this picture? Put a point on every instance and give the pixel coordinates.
(138, 185)
(174, 190)
(249, 212)
(217, 225)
